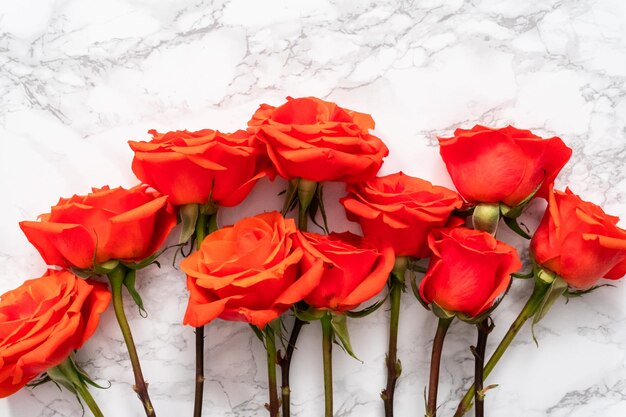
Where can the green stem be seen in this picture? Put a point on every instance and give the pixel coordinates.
(327, 349)
(270, 345)
(66, 373)
(529, 310)
(199, 393)
(285, 364)
(201, 232)
(435, 362)
(285, 361)
(116, 277)
(393, 365)
(89, 400)
(484, 328)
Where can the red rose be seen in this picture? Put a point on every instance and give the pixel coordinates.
(128, 225)
(468, 270)
(401, 210)
(193, 167)
(355, 269)
(43, 321)
(319, 141)
(247, 272)
(502, 165)
(579, 242)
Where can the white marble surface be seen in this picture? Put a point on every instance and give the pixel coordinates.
(78, 79)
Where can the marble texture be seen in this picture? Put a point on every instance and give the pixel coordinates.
(78, 79)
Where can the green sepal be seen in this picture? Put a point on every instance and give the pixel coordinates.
(524, 275)
(258, 332)
(557, 289)
(579, 293)
(413, 265)
(367, 310)
(83, 273)
(441, 312)
(514, 226)
(515, 211)
(188, 214)
(84, 376)
(129, 283)
(317, 204)
(291, 197)
(339, 323)
(416, 290)
(150, 259)
(310, 314)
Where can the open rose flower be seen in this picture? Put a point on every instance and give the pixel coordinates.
(319, 141)
(468, 270)
(195, 167)
(355, 269)
(401, 210)
(502, 165)
(579, 242)
(43, 321)
(247, 272)
(129, 225)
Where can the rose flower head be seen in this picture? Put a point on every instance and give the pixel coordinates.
(317, 140)
(43, 321)
(201, 167)
(247, 272)
(355, 269)
(400, 210)
(127, 225)
(468, 270)
(578, 241)
(502, 165)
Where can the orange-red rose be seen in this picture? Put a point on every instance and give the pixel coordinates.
(319, 141)
(128, 225)
(401, 210)
(468, 270)
(579, 242)
(355, 269)
(195, 167)
(43, 321)
(502, 165)
(247, 272)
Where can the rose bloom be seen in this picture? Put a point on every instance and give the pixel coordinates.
(468, 270)
(579, 242)
(401, 210)
(43, 321)
(247, 272)
(502, 165)
(195, 167)
(319, 141)
(355, 269)
(128, 225)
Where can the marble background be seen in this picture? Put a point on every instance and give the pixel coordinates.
(78, 79)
